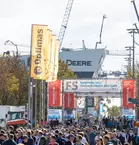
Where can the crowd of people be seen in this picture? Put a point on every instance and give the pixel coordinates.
(73, 134)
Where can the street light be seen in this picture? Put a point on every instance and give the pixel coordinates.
(12, 43)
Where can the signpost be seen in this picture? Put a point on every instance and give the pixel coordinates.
(134, 101)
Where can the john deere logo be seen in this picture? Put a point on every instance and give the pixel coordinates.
(38, 70)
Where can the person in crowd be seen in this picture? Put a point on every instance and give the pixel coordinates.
(43, 140)
(107, 140)
(40, 134)
(30, 139)
(83, 141)
(78, 140)
(114, 139)
(121, 138)
(75, 134)
(100, 141)
(71, 139)
(1, 138)
(135, 140)
(53, 140)
(19, 136)
(60, 140)
(10, 141)
(92, 136)
(129, 136)
(48, 136)
(25, 140)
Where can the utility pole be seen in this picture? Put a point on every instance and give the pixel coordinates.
(133, 32)
(129, 58)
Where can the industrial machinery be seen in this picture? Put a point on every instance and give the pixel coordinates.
(104, 17)
(63, 30)
(65, 21)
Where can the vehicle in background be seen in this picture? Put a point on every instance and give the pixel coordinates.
(11, 113)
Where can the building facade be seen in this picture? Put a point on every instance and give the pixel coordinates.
(84, 63)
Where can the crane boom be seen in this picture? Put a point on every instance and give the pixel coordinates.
(100, 35)
(65, 21)
(104, 17)
(134, 4)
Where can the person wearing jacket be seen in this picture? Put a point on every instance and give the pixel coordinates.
(10, 141)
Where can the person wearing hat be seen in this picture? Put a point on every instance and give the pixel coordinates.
(70, 140)
(83, 141)
(107, 140)
(114, 139)
(53, 140)
(60, 140)
(78, 140)
(25, 140)
(10, 141)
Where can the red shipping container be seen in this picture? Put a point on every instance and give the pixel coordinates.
(128, 87)
(54, 93)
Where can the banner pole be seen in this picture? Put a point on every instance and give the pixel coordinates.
(36, 106)
(40, 101)
(28, 109)
(44, 101)
(31, 102)
(47, 99)
(29, 83)
(63, 100)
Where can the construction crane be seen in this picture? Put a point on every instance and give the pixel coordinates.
(65, 21)
(104, 17)
(136, 11)
(108, 52)
(64, 26)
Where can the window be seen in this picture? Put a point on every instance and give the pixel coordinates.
(16, 115)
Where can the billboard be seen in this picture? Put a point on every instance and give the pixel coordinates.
(54, 114)
(129, 113)
(69, 114)
(69, 101)
(54, 94)
(89, 101)
(128, 87)
(94, 85)
(83, 60)
(80, 102)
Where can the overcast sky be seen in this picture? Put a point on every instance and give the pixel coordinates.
(16, 17)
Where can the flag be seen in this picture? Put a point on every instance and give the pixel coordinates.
(54, 93)
(51, 65)
(48, 54)
(69, 101)
(56, 61)
(38, 51)
(128, 87)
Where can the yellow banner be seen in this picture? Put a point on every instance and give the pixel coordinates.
(50, 72)
(48, 55)
(38, 51)
(56, 62)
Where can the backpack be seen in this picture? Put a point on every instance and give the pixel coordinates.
(43, 141)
